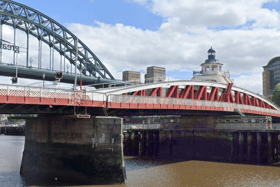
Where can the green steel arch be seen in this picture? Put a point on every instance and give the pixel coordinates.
(49, 31)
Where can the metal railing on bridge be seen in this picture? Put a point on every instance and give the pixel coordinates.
(142, 102)
(16, 94)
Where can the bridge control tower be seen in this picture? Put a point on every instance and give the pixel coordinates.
(212, 70)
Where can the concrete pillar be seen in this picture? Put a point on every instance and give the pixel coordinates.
(259, 148)
(277, 147)
(157, 142)
(142, 143)
(249, 146)
(171, 142)
(72, 149)
(129, 143)
(193, 144)
(149, 141)
(234, 146)
(135, 144)
(241, 146)
(270, 148)
(124, 143)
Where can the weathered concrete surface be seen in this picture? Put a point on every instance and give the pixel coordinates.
(198, 122)
(72, 149)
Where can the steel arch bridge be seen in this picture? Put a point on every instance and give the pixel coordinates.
(190, 95)
(56, 36)
(166, 98)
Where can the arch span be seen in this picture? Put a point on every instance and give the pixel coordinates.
(196, 90)
(55, 35)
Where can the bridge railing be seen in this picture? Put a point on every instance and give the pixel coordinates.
(135, 102)
(43, 95)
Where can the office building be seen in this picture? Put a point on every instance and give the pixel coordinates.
(155, 74)
(271, 76)
(131, 76)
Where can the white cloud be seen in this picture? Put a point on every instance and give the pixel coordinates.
(193, 15)
(184, 37)
(124, 47)
(251, 82)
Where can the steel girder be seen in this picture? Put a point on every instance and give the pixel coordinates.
(201, 94)
(44, 28)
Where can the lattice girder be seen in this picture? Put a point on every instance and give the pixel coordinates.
(55, 35)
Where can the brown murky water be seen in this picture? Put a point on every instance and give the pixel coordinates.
(146, 173)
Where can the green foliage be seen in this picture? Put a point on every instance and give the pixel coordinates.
(276, 95)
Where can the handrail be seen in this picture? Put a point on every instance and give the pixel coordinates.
(83, 95)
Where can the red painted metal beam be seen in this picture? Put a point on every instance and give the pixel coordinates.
(246, 99)
(267, 106)
(139, 93)
(201, 94)
(214, 95)
(173, 91)
(227, 95)
(261, 103)
(190, 92)
(135, 93)
(154, 92)
(254, 101)
(159, 92)
(238, 98)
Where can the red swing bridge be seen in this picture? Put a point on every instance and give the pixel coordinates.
(165, 96)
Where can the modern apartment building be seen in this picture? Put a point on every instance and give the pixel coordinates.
(271, 76)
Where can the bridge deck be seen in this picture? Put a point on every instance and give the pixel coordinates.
(27, 95)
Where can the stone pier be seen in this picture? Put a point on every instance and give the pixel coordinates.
(73, 149)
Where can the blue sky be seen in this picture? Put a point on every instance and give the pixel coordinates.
(106, 11)
(135, 34)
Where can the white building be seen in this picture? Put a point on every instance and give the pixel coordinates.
(212, 71)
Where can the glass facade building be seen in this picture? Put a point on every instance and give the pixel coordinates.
(271, 76)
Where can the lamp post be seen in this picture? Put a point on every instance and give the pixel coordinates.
(30, 60)
(43, 80)
(76, 63)
(81, 83)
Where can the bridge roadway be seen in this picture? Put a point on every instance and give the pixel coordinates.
(29, 99)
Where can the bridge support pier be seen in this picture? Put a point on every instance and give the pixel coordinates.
(157, 142)
(234, 146)
(171, 142)
(241, 146)
(142, 148)
(72, 149)
(135, 143)
(270, 147)
(259, 147)
(149, 141)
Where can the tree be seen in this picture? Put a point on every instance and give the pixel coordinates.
(276, 95)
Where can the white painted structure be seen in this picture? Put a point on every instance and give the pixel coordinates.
(212, 71)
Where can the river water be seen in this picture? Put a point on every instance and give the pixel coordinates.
(146, 173)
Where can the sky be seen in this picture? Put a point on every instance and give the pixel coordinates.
(175, 34)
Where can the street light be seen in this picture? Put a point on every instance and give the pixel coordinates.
(43, 75)
(30, 60)
(67, 68)
(15, 79)
(81, 84)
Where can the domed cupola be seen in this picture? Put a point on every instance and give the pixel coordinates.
(212, 70)
(211, 56)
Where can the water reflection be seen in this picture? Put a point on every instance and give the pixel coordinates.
(146, 172)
